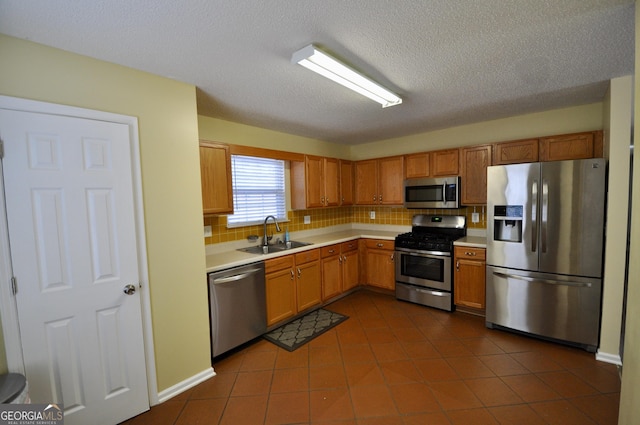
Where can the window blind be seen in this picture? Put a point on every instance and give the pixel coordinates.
(258, 190)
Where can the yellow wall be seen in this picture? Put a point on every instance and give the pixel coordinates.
(168, 131)
(218, 130)
(630, 395)
(557, 121)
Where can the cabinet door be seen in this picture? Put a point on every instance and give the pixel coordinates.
(516, 152)
(215, 172)
(331, 177)
(309, 285)
(346, 182)
(390, 180)
(470, 277)
(350, 270)
(314, 179)
(281, 296)
(380, 269)
(417, 165)
(331, 276)
(366, 182)
(470, 283)
(568, 146)
(444, 163)
(474, 162)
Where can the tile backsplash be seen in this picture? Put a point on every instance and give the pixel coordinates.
(325, 217)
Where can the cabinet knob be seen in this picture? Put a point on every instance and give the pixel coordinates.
(299, 272)
(331, 251)
(458, 265)
(473, 254)
(380, 245)
(380, 198)
(344, 258)
(292, 275)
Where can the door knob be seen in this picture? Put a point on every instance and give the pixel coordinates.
(130, 289)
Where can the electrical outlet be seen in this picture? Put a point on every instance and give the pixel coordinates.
(307, 219)
(207, 232)
(372, 215)
(475, 217)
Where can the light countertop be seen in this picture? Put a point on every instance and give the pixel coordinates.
(472, 241)
(221, 259)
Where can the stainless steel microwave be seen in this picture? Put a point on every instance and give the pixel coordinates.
(439, 192)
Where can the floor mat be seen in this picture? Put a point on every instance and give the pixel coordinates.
(300, 331)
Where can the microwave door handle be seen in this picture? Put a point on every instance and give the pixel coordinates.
(544, 218)
(534, 216)
(444, 192)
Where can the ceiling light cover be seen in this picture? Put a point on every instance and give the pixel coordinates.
(318, 61)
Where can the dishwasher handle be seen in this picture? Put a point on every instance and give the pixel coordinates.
(233, 278)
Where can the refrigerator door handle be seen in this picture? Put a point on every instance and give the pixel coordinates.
(534, 216)
(545, 214)
(549, 281)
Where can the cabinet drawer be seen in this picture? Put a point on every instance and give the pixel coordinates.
(470, 253)
(330, 250)
(280, 263)
(380, 244)
(306, 256)
(349, 246)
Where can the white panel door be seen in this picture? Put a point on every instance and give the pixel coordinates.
(70, 213)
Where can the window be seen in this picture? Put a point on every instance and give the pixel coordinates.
(258, 190)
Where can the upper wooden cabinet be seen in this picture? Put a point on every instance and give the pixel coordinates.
(473, 171)
(215, 172)
(315, 183)
(445, 163)
(379, 181)
(346, 182)
(571, 146)
(417, 165)
(515, 152)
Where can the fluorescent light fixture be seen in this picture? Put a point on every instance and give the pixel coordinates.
(315, 60)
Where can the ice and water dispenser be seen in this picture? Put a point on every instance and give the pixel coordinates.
(507, 223)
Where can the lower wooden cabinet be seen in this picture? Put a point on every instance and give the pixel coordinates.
(469, 280)
(293, 284)
(380, 263)
(339, 268)
(280, 289)
(350, 265)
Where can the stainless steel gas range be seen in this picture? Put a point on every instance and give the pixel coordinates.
(424, 260)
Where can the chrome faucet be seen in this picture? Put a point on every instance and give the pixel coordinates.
(265, 240)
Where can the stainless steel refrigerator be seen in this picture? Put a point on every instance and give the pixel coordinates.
(545, 239)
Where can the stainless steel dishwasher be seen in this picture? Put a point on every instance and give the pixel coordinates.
(237, 306)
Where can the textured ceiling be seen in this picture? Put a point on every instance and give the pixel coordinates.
(453, 61)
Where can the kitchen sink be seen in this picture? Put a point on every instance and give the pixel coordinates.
(279, 247)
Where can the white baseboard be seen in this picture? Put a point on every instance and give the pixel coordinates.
(609, 358)
(183, 386)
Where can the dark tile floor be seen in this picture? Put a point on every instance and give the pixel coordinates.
(393, 363)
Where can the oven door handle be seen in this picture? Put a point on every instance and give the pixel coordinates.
(430, 254)
(434, 293)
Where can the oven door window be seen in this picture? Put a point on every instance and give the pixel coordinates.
(422, 267)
